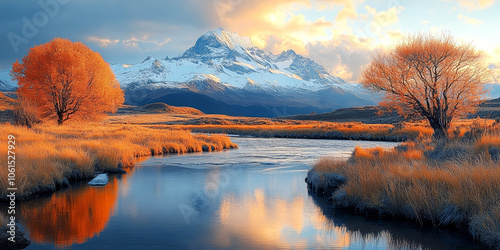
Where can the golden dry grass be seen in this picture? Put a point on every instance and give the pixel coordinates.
(326, 130)
(48, 153)
(6, 103)
(406, 182)
(266, 127)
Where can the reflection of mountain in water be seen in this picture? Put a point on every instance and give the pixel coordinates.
(86, 211)
(399, 234)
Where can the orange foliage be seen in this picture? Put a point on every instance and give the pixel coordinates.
(65, 79)
(431, 76)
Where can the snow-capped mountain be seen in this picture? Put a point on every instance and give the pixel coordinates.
(225, 73)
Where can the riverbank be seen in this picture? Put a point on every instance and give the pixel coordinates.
(47, 157)
(452, 183)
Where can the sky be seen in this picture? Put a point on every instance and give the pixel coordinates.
(341, 35)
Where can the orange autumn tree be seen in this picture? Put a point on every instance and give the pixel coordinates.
(433, 76)
(65, 79)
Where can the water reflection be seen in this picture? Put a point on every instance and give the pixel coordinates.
(71, 216)
(264, 224)
(393, 234)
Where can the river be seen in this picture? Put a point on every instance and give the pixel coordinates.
(254, 197)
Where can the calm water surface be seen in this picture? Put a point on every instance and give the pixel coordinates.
(252, 197)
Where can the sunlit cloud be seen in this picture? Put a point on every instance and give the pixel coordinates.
(469, 20)
(132, 42)
(348, 11)
(476, 4)
(384, 18)
(343, 55)
(492, 59)
(103, 42)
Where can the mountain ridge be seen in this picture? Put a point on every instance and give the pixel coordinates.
(228, 68)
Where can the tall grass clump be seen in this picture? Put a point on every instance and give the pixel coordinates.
(454, 182)
(47, 156)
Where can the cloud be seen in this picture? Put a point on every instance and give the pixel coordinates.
(143, 42)
(476, 4)
(343, 56)
(348, 12)
(492, 59)
(469, 20)
(384, 18)
(103, 42)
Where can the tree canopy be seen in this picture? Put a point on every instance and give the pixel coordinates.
(66, 79)
(433, 76)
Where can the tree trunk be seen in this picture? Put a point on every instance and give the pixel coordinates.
(60, 118)
(440, 131)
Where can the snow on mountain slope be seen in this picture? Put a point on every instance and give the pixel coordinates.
(6, 82)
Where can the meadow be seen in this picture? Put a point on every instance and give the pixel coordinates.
(48, 156)
(158, 115)
(444, 183)
(274, 127)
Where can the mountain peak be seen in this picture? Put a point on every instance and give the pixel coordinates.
(219, 30)
(232, 39)
(219, 43)
(149, 58)
(285, 55)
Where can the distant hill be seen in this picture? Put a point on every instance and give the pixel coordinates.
(488, 109)
(158, 107)
(368, 114)
(6, 102)
(6, 107)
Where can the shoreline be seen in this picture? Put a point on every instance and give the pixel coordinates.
(42, 191)
(342, 202)
(49, 157)
(451, 184)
